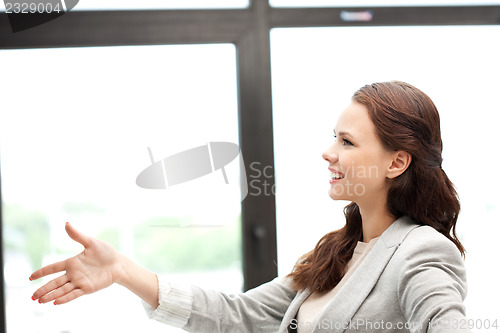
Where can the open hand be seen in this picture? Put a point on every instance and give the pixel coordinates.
(96, 268)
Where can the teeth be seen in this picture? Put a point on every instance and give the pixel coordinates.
(335, 175)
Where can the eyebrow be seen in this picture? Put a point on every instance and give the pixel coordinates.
(343, 133)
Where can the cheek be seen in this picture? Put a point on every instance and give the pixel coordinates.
(367, 169)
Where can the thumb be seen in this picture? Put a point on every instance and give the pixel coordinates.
(77, 236)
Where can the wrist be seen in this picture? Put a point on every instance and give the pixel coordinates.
(138, 280)
(123, 270)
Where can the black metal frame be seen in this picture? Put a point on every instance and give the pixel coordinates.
(249, 30)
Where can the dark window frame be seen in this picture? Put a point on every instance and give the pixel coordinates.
(249, 30)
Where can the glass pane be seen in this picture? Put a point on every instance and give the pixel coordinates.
(147, 4)
(155, 4)
(75, 128)
(378, 3)
(315, 71)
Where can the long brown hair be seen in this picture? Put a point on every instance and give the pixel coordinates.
(405, 119)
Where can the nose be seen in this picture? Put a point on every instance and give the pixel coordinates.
(330, 155)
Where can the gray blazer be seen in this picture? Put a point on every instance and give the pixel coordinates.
(413, 280)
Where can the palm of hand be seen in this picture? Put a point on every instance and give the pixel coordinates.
(92, 270)
(96, 268)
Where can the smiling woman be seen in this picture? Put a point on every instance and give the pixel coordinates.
(392, 128)
(459, 75)
(396, 261)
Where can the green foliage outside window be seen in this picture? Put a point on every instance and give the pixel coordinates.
(163, 245)
(26, 231)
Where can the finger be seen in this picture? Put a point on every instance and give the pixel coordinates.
(59, 292)
(49, 269)
(50, 286)
(77, 236)
(75, 293)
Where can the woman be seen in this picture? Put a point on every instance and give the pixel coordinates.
(395, 266)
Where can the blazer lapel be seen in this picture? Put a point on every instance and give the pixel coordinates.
(292, 310)
(349, 298)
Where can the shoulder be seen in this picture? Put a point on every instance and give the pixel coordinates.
(428, 273)
(427, 242)
(415, 240)
(425, 257)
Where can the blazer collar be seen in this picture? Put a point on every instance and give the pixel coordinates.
(349, 298)
(397, 231)
(343, 306)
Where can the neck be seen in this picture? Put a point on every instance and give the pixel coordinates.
(376, 219)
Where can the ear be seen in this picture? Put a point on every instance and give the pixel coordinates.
(399, 163)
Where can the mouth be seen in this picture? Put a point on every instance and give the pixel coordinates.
(335, 176)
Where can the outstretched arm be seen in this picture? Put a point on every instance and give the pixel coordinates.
(96, 268)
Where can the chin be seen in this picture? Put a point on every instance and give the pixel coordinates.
(339, 197)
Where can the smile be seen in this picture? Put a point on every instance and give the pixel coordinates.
(335, 176)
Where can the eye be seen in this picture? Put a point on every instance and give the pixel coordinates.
(347, 142)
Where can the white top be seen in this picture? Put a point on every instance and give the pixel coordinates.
(316, 303)
(175, 304)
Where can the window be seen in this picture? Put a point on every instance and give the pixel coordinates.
(152, 4)
(384, 3)
(122, 23)
(165, 4)
(74, 135)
